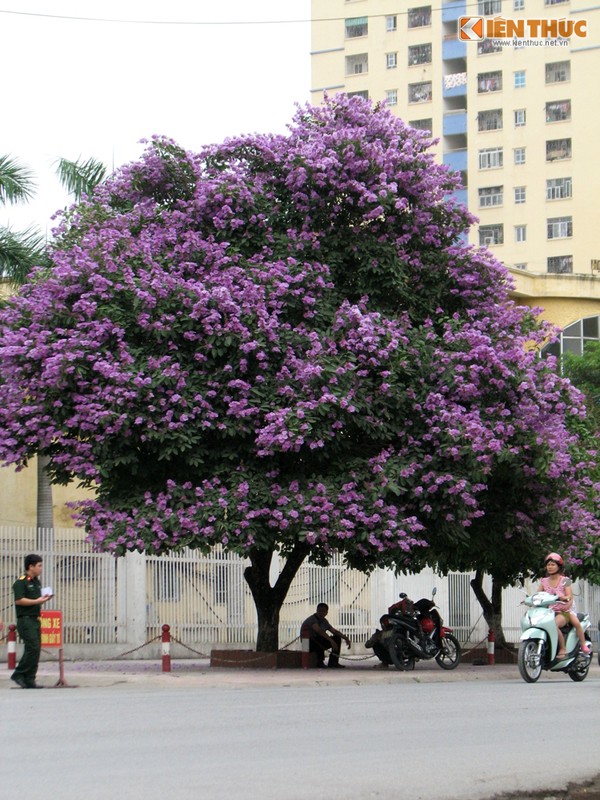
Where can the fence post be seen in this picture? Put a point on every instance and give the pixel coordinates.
(166, 648)
(12, 647)
(305, 637)
(491, 639)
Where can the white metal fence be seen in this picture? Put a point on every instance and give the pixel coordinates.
(111, 605)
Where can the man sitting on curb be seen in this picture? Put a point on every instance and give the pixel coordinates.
(317, 629)
(379, 648)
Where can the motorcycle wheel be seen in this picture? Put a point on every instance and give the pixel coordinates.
(530, 665)
(449, 655)
(399, 658)
(580, 669)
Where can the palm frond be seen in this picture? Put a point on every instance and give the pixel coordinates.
(16, 181)
(80, 177)
(20, 253)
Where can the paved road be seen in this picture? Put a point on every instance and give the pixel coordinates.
(288, 736)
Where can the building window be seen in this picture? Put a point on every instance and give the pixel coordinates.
(554, 2)
(419, 17)
(519, 155)
(491, 196)
(486, 8)
(422, 124)
(391, 23)
(520, 234)
(520, 194)
(391, 60)
(558, 149)
(560, 265)
(522, 265)
(520, 117)
(419, 54)
(490, 235)
(519, 77)
(559, 227)
(558, 111)
(419, 92)
(489, 81)
(558, 72)
(357, 65)
(575, 337)
(491, 158)
(558, 188)
(518, 5)
(357, 26)
(488, 46)
(391, 97)
(490, 120)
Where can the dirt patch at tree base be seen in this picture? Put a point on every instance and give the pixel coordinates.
(587, 790)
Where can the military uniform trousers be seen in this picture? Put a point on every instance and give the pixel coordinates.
(29, 629)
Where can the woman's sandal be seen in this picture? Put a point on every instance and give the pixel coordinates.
(561, 654)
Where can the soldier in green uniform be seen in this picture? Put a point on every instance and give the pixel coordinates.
(28, 601)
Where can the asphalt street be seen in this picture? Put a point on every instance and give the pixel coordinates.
(128, 731)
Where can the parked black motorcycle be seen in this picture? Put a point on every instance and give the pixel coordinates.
(415, 631)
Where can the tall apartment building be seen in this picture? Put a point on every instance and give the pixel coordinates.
(520, 124)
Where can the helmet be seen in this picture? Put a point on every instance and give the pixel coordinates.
(554, 557)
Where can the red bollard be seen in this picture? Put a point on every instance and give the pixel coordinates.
(166, 648)
(12, 647)
(305, 637)
(490, 647)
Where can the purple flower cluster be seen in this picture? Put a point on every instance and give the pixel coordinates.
(283, 339)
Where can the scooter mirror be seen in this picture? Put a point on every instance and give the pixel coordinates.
(433, 592)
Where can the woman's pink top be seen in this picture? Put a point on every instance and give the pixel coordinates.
(558, 590)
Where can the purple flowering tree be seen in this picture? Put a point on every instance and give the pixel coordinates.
(281, 343)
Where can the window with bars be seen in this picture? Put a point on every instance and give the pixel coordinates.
(520, 117)
(559, 227)
(519, 155)
(419, 17)
(518, 5)
(558, 72)
(488, 46)
(391, 97)
(555, 2)
(558, 188)
(391, 60)
(558, 149)
(520, 194)
(419, 54)
(491, 158)
(491, 196)
(357, 26)
(419, 92)
(490, 120)
(391, 23)
(486, 8)
(558, 111)
(560, 265)
(490, 235)
(358, 64)
(489, 81)
(422, 124)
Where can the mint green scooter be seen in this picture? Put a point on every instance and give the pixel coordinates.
(539, 641)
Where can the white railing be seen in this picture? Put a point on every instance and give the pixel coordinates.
(111, 605)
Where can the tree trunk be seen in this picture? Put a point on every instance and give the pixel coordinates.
(492, 608)
(269, 599)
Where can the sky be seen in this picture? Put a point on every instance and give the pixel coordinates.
(197, 71)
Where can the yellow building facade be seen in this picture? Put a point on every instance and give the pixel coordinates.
(519, 123)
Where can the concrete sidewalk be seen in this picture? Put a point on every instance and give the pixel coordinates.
(198, 672)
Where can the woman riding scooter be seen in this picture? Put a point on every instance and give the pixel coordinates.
(556, 582)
